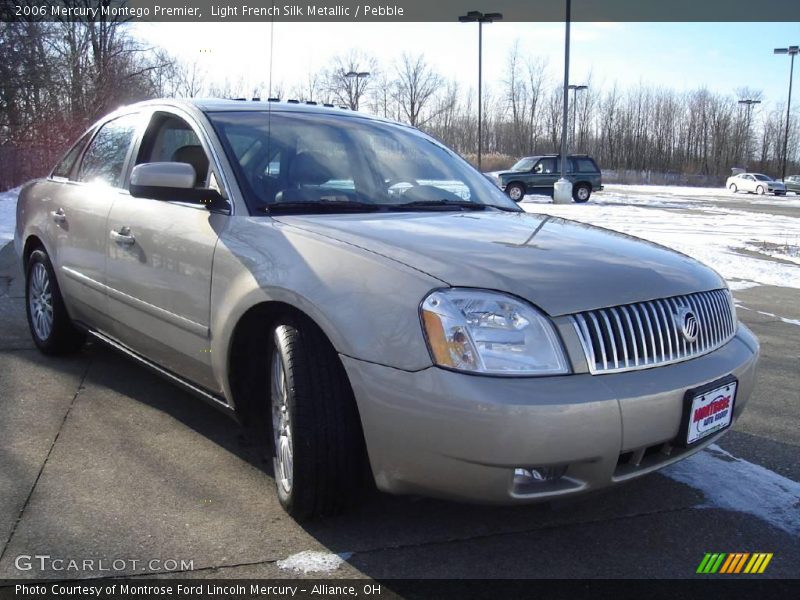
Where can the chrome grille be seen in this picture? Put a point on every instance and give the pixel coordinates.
(649, 334)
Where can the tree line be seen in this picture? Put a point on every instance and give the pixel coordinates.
(57, 78)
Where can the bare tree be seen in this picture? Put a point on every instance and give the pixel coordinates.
(415, 85)
(342, 81)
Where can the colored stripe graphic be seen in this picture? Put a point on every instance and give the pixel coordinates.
(711, 562)
(734, 562)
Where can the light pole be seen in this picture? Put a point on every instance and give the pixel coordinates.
(562, 190)
(575, 89)
(791, 51)
(357, 94)
(474, 16)
(748, 104)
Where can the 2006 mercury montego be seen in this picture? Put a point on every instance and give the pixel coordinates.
(358, 295)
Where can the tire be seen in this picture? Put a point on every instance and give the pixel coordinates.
(51, 328)
(515, 191)
(760, 190)
(581, 193)
(733, 188)
(317, 443)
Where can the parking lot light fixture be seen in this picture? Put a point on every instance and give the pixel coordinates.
(575, 89)
(748, 103)
(357, 75)
(475, 16)
(562, 190)
(792, 51)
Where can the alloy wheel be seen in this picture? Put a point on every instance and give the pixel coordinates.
(40, 301)
(281, 425)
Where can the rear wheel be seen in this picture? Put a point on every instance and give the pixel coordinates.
(581, 193)
(760, 190)
(733, 188)
(51, 328)
(318, 453)
(515, 191)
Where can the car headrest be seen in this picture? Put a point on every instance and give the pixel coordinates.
(195, 156)
(309, 168)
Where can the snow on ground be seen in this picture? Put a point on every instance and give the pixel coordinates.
(8, 214)
(734, 484)
(690, 221)
(310, 561)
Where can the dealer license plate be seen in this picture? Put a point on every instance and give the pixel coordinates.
(710, 411)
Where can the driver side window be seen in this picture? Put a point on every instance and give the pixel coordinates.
(171, 139)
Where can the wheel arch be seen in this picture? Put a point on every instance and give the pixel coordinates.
(249, 336)
(32, 242)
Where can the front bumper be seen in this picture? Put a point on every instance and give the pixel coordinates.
(439, 433)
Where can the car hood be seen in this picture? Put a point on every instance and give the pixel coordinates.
(560, 266)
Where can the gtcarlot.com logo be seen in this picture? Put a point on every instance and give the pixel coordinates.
(734, 563)
(45, 562)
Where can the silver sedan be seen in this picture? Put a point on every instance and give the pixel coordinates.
(364, 301)
(755, 183)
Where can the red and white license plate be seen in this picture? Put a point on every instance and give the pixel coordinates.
(710, 411)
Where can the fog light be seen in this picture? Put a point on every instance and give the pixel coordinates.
(538, 474)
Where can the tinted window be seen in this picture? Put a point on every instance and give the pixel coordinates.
(64, 168)
(585, 165)
(105, 157)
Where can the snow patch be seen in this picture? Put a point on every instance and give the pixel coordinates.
(731, 483)
(311, 561)
(711, 234)
(8, 214)
(742, 285)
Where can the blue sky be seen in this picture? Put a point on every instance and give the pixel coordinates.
(721, 56)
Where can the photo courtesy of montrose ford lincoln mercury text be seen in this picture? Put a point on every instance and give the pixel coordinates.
(364, 301)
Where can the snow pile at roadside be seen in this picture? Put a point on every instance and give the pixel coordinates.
(310, 561)
(731, 483)
(708, 233)
(8, 214)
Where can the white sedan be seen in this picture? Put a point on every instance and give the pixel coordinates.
(755, 182)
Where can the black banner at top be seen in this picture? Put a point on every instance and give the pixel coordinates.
(399, 10)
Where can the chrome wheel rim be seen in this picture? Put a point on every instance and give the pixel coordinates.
(40, 301)
(281, 425)
(515, 193)
(583, 193)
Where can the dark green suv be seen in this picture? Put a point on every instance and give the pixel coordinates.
(537, 174)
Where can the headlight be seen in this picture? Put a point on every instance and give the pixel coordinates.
(488, 332)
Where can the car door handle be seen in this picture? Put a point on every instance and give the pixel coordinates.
(59, 216)
(123, 236)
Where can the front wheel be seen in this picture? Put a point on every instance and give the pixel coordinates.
(581, 193)
(733, 188)
(316, 432)
(51, 328)
(515, 191)
(760, 190)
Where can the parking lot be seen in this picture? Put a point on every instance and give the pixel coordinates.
(100, 459)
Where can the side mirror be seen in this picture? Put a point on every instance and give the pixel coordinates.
(172, 181)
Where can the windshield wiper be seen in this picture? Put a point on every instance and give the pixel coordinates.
(445, 204)
(322, 206)
(439, 205)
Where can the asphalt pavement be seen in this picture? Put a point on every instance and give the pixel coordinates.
(102, 460)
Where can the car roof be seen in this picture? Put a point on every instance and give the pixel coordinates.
(208, 105)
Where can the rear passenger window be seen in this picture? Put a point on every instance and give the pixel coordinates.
(585, 165)
(105, 157)
(64, 168)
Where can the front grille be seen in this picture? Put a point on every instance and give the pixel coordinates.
(649, 334)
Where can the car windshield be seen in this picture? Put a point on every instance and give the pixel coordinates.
(296, 161)
(762, 177)
(524, 164)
